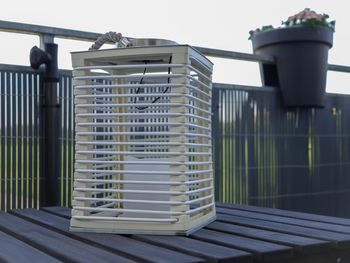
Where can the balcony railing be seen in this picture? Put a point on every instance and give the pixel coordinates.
(264, 154)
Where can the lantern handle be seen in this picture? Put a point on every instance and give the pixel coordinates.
(113, 37)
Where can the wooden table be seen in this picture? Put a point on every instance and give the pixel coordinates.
(240, 234)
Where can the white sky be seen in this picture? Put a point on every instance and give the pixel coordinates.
(222, 24)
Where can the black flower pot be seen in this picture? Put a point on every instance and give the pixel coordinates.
(301, 55)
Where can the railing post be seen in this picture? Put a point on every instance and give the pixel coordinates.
(45, 39)
(50, 157)
(216, 135)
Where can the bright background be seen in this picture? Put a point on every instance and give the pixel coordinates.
(221, 24)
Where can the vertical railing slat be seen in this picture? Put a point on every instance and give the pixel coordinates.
(63, 140)
(8, 145)
(2, 141)
(70, 139)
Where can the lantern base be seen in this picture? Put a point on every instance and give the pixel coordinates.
(78, 225)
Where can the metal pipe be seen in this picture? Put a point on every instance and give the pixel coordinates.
(50, 157)
(50, 121)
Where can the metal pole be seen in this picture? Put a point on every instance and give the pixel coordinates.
(51, 120)
(46, 39)
(50, 157)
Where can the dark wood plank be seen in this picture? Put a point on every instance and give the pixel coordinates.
(134, 249)
(13, 250)
(286, 220)
(287, 213)
(335, 256)
(262, 251)
(52, 243)
(301, 244)
(58, 210)
(268, 250)
(211, 252)
(337, 240)
(192, 246)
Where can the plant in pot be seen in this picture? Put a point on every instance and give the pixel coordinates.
(300, 48)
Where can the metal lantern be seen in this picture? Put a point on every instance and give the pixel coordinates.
(143, 160)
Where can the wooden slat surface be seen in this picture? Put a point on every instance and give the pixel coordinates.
(337, 240)
(263, 251)
(301, 244)
(134, 249)
(52, 243)
(286, 220)
(209, 251)
(290, 214)
(13, 250)
(58, 210)
(242, 234)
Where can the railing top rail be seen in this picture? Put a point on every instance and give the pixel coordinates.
(30, 29)
(23, 28)
(219, 53)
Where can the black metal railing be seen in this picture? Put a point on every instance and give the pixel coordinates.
(264, 154)
(20, 137)
(66, 138)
